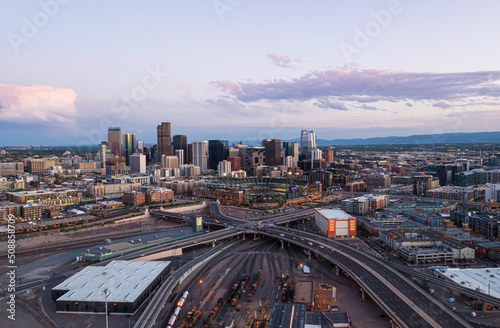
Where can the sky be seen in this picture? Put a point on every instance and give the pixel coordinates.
(246, 70)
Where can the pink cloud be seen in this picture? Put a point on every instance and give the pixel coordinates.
(281, 60)
(36, 104)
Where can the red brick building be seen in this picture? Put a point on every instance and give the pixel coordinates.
(134, 198)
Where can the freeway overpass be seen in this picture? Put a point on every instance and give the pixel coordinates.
(179, 216)
(404, 301)
(413, 308)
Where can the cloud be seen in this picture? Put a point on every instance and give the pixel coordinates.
(369, 85)
(408, 104)
(330, 104)
(36, 104)
(281, 60)
(368, 107)
(443, 105)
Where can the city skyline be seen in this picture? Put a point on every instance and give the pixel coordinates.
(343, 70)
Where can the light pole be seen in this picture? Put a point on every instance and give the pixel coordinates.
(201, 281)
(105, 292)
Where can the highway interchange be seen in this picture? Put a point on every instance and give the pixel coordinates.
(405, 302)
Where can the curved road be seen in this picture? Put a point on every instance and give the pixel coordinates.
(407, 303)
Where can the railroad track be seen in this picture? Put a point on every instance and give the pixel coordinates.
(37, 313)
(151, 313)
(81, 243)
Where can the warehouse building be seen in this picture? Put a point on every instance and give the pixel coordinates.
(128, 284)
(335, 223)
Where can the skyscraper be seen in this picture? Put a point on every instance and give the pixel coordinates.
(179, 153)
(180, 142)
(307, 142)
(190, 154)
(215, 153)
(200, 154)
(138, 163)
(169, 162)
(129, 146)
(104, 150)
(329, 154)
(291, 149)
(165, 146)
(272, 151)
(140, 146)
(115, 140)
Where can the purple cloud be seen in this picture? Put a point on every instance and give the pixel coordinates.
(330, 104)
(370, 85)
(368, 107)
(281, 60)
(443, 105)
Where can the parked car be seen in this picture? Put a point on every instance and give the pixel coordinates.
(431, 291)
(451, 300)
(473, 314)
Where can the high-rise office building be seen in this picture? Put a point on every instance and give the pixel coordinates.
(169, 162)
(147, 151)
(272, 151)
(104, 152)
(307, 142)
(180, 142)
(140, 146)
(329, 154)
(224, 168)
(215, 153)
(179, 153)
(138, 163)
(252, 157)
(154, 154)
(129, 146)
(165, 146)
(190, 154)
(200, 154)
(235, 163)
(316, 154)
(115, 140)
(290, 149)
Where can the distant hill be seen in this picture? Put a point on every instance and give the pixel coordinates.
(475, 137)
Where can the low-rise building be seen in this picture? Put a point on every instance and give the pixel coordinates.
(35, 196)
(133, 197)
(335, 223)
(364, 204)
(425, 247)
(159, 195)
(110, 189)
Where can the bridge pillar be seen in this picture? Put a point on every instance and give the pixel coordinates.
(338, 270)
(244, 236)
(213, 244)
(393, 324)
(362, 294)
(282, 245)
(309, 253)
(288, 244)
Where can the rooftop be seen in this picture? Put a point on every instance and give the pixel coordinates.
(125, 281)
(486, 280)
(334, 214)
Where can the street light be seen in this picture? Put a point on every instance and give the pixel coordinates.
(105, 292)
